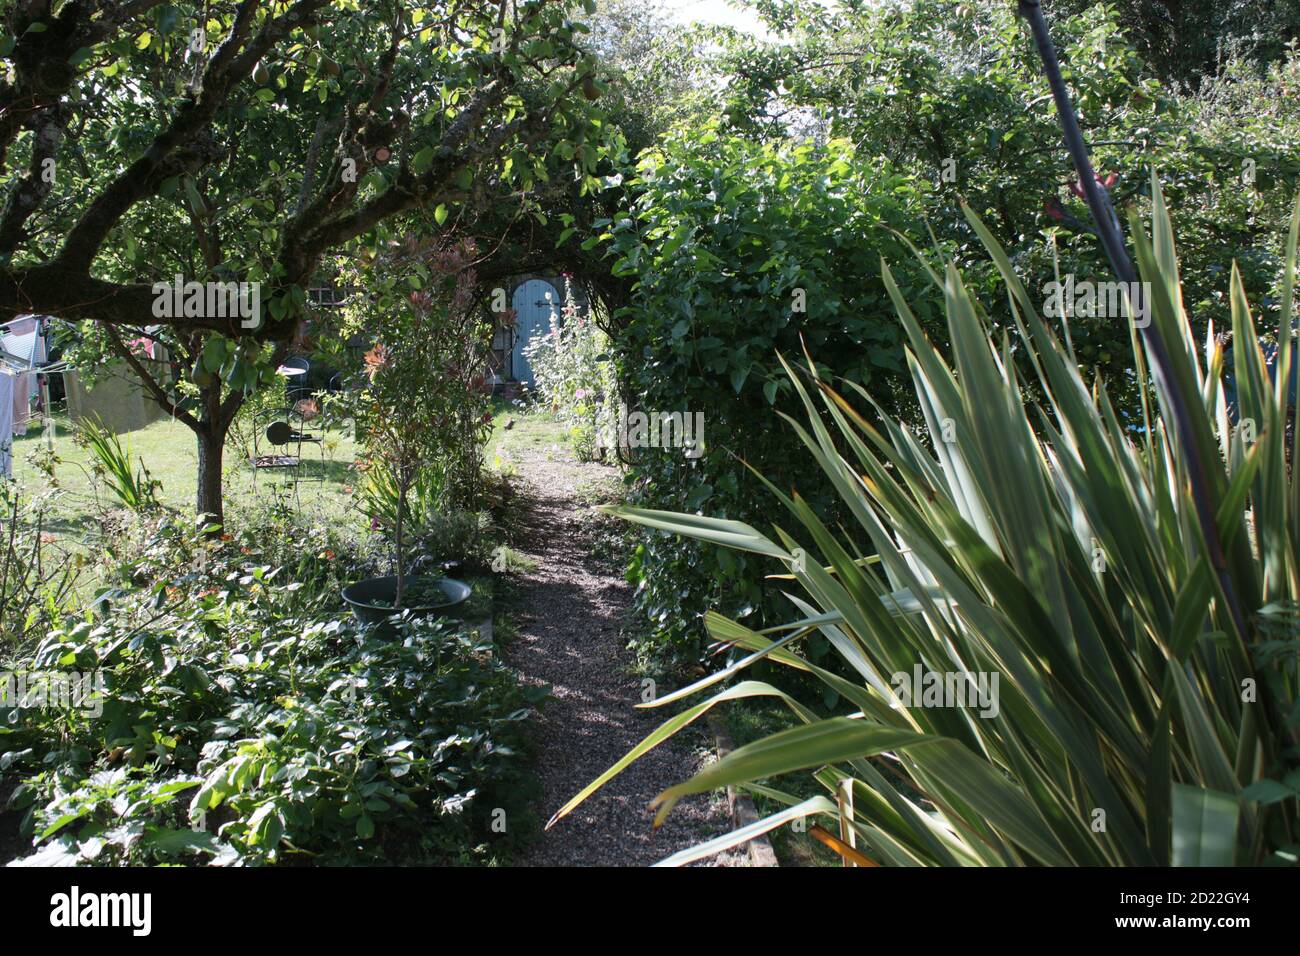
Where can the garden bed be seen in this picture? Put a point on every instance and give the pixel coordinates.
(252, 721)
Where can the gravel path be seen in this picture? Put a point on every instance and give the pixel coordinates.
(571, 610)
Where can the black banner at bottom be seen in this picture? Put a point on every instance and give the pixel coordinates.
(141, 908)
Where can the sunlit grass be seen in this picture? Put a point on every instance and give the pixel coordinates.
(170, 454)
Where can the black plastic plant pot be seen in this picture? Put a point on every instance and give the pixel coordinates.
(371, 600)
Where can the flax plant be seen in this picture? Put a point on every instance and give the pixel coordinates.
(1050, 542)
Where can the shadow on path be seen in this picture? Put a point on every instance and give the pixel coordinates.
(575, 604)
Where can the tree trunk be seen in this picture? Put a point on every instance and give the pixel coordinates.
(401, 558)
(208, 501)
(211, 434)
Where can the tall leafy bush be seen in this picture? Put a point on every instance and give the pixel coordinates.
(952, 91)
(741, 250)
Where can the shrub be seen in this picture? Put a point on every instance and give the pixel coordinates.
(741, 250)
(1146, 710)
(244, 721)
(38, 578)
(431, 527)
(423, 414)
(110, 465)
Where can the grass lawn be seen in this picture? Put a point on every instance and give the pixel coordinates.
(516, 427)
(168, 450)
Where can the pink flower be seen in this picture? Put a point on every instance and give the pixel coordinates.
(1077, 187)
(141, 347)
(580, 393)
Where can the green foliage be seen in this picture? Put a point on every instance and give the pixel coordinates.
(432, 530)
(243, 720)
(740, 250)
(1148, 703)
(394, 75)
(663, 74)
(953, 93)
(37, 577)
(1192, 42)
(575, 378)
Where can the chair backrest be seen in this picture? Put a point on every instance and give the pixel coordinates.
(279, 432)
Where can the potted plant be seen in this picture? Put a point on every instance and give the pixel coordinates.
(419, 377)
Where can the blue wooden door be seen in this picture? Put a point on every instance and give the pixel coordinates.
(536, 304)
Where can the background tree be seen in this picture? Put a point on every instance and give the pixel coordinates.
(243, 141)
(953, 91)
(1188, 41)
(660, 75)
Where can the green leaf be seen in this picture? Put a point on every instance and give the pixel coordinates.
(1268, 791)
(799, 748)
(197, 205)
(807, 808)
(62, 821)
(170, 841)
(1205, 827)
(731, 534)
(675, 240)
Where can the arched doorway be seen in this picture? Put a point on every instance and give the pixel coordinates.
(536, 304)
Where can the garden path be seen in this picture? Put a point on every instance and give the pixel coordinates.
(572, 608)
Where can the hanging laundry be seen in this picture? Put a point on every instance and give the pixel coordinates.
(7, 382)
(21, 339)
(23, 346)
(20, 405)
